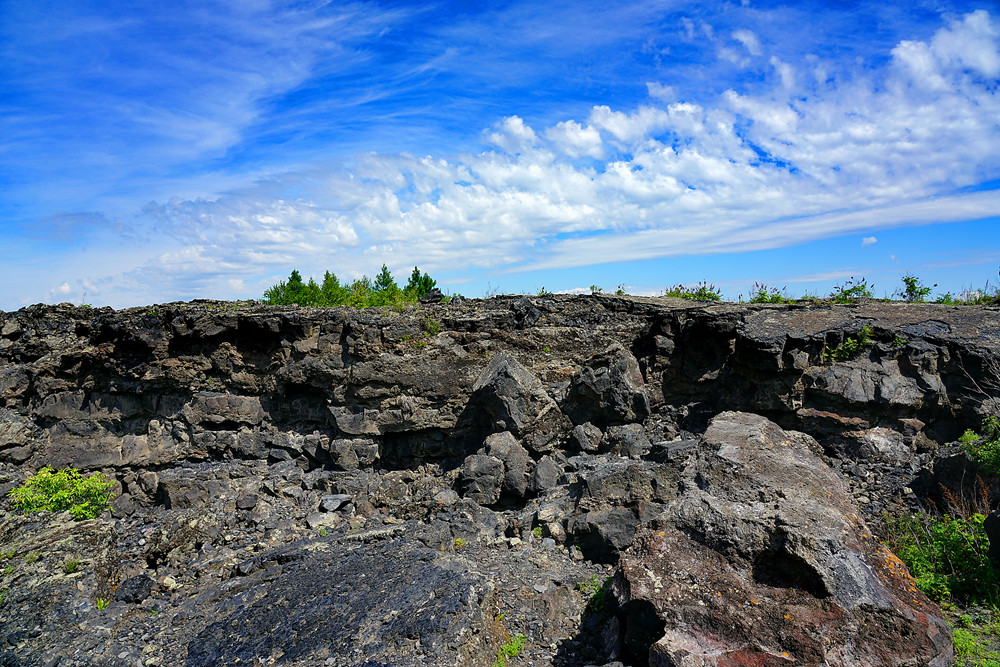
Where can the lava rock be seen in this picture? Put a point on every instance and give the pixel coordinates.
(135, 589)
(608, 390)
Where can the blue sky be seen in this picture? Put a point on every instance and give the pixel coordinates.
(159, 151)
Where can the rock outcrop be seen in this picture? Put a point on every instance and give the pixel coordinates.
(336, 486)
(764, 559)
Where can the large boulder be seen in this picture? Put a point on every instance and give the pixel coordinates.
(515, 400)
(389, 603)
(608, 390)
(481, 478)
(515, 462)
(764, 559)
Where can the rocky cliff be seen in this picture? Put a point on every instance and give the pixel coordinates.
(349, 487)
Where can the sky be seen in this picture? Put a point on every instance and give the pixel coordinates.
(153, 152)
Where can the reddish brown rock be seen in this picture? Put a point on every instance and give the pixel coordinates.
(764, 560)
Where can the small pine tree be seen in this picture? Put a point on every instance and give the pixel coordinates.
(420, 284)
(332, 293)
(385, 281)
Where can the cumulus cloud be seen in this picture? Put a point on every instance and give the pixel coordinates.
(512, 135)
(868, 240)
(756, 170)
(785, 71)
(576, 140)
(60, 291)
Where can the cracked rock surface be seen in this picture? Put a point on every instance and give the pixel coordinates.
(622, 481)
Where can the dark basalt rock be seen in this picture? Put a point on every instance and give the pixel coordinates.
(394, 602)
(608, 390)
(295, 476)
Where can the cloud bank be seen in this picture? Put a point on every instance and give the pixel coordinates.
(817, 156)
(812, 148)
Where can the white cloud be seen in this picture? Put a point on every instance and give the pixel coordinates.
(659, 91)
(749, 40)
(512, 135)
(629, 127)
(576, 140)
(785, 71)
(868, 240)
(59, 291)
(757, 171)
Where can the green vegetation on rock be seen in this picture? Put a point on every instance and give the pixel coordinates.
(703, 291)
(361, 293)
(61, 490)
(851, 347)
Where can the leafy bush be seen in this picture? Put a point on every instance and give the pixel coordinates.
(851, 347)
(984, 449)
(596, 592)
(947, 557)
(761, 293)
(913, 290)
(59, 490)
(703, 291)
(851, 291)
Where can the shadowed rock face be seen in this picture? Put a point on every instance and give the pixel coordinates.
(763, 559)
(297, 483)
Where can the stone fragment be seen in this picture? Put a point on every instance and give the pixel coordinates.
(586, 437)
(515, 462)
(134, 589)
(604, 534)
(246, 501)
(481, 479)
(608, 390)
(352, 454)
(122, 506)
(334, 502)
(628, 440)
(322, 520)
(515, 400)
(545, 475)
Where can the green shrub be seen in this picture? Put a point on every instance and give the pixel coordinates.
(510, 650)
(851, 291)
(703, 291)
(431, 326)
(948, 558)
(913, 290)
(948, 298)
(71, 566)
(58, 490)
(851, 347)
(596, 592)
(984, 449)
(761, 293)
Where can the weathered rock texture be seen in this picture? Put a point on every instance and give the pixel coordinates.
(311, 486)
(764, 559)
